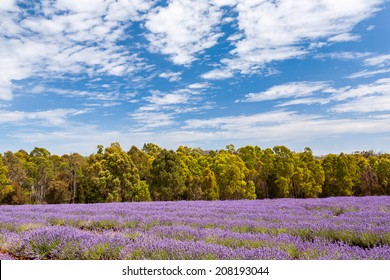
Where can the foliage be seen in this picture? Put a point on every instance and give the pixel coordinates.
(167, 179)
(154, 173)
(6, 189)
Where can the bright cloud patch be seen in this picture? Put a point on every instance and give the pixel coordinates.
(183, 29)
(66, 37)
(365, 98)
(296, 89)
(279, 30)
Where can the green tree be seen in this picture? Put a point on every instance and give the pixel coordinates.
(193, 165)
(75, 164)
(282, 172)
(369, 182)
(6, 189)
(119, 175)
(92, 187)
(151, 149)
(209, 185)
(58, 192)
(341, 173)
(17, 176)
(257, 170)
(141, 192)
(382, 170)
(308, 176)
(142, 161)
(41, 171)
(167, 179)
(230, 172)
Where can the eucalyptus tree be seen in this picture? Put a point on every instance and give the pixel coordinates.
(282, 172)
(252, 157)
(17, 176)
(141, 160)
(341, 174)
(40, 169)
(308, 176)
(6, 188)
(230, 172)
(120, 175)
(382, 170)
(166, 179)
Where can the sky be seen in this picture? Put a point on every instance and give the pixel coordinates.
(204, 73)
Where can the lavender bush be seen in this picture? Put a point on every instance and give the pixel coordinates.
(330, 228)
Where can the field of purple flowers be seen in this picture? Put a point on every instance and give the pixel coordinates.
(330, 228)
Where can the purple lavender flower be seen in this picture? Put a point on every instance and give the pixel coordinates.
(330, 228)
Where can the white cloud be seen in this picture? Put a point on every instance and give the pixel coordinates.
(225, 2)
(279, 31)
(147, 119)
(304, 101)
(280, 126)
(343, 55)
(171, 76)
(365, 104)
(161, 99)
(87, 94)
(163, 108)
(103, 104)
(218, 74)
(199, 85)
(8, 5)
(235, 37)
(344, 37)
(374, 97)
(241, 122)
(55, 117)
(183, 29)
(363, 98)
(380, 60)
(368, 73)
(5, 88)
(289, 90)
(379, 87)
(67, 37)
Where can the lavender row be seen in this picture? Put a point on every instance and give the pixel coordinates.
(71, 243)
(332, 228)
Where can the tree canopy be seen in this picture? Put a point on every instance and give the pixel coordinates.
(154, 173)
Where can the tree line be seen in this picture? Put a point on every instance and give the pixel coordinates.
(156, 174)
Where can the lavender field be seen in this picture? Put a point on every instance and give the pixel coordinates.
(330, 228)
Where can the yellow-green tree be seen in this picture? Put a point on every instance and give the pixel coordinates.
(6, 189)
(282, 172)
(258, 171)
(120, 176)
(341, 173)
(17, 176)
(230, 172)
(308, 176)
(382, 170)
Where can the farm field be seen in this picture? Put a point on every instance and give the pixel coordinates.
(330, 228)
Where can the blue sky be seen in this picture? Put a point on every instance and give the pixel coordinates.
(75, 74)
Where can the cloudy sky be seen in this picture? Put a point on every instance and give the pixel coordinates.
(202, 73)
